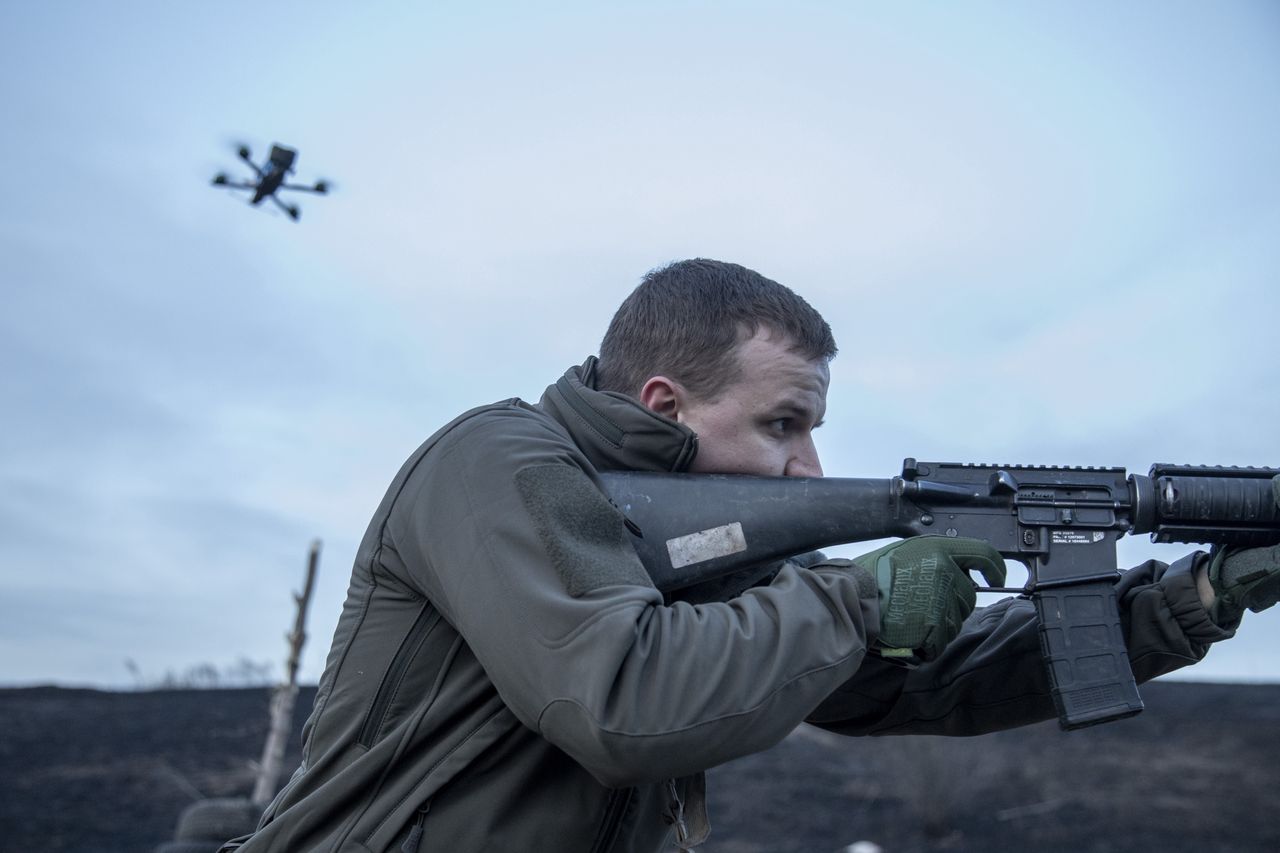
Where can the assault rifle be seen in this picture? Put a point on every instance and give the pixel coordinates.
(1062, 523)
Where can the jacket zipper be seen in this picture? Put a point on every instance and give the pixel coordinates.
(415, 834)
(426, 620)
(675, 814)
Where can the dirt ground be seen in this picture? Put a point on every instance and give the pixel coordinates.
(85, 771)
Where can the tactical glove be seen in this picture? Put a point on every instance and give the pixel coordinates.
(925, 592)
(1245, 577)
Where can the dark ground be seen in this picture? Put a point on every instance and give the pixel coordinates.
(98, 772)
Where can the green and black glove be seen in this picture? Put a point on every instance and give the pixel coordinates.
(925, 591)
(1245, 577)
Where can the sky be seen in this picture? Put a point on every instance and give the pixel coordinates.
(1043, 233)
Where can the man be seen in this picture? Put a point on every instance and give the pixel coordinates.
(505, 677)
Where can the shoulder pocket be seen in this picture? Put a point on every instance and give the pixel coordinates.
(421, 637)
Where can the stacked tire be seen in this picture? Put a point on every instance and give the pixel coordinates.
(205, 824)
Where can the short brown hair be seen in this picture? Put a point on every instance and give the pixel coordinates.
(685, 321)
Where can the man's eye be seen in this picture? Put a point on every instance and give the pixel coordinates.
(780, 425)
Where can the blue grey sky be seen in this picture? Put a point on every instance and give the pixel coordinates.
(1042, 232)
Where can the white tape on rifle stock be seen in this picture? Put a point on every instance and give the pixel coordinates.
(706, 545)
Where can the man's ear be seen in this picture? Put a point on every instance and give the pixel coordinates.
(662, 395)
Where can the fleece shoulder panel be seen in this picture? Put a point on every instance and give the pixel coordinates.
(581, 531)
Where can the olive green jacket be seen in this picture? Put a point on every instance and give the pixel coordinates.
(505, 677)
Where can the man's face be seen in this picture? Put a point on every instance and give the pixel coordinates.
(764, 422)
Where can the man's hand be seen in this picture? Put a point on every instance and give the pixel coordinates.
(925, 591)
(1245, 577)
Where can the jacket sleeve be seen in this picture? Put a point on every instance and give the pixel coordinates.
(503, 528)
(992, 675)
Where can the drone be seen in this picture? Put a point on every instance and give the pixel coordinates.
(271, 178)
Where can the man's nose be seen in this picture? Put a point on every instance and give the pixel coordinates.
(804, 462)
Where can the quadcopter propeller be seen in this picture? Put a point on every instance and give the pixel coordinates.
(240, 148)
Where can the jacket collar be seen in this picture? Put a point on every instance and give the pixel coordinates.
(614, 431)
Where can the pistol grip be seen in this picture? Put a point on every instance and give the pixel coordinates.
(1083, 647)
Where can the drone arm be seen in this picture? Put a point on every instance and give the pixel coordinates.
(319, 188)
(289, 209)
(235, 185)
(243, 154)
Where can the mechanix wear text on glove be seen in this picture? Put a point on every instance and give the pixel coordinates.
(925, 591)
